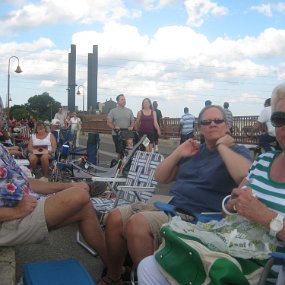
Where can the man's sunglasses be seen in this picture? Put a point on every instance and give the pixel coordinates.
(208, 122)
(278, 119)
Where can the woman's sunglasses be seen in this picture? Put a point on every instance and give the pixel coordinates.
(208, 122)
(278, 119)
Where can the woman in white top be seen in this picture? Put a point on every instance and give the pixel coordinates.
(75, 127)
(41, 138)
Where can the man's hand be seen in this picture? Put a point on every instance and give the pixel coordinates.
(26, 206)
(226, 140)
(188, 148)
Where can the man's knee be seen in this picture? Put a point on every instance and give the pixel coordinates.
(77, 196)
(114, 219)
(138, 225)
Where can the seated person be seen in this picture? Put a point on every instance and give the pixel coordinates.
(129, 145)
(27, 218)
(41, 138)
(202, 176)
(261, 202)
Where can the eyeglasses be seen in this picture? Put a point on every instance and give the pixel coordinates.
(209, 121)
(278, 119)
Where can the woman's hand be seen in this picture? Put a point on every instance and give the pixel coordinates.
(247, 204)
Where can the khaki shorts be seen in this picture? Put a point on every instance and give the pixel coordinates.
(154, 217)
(28, 230)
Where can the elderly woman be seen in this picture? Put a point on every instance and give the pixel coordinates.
(202, 176)
(258, 204)
(42, 138)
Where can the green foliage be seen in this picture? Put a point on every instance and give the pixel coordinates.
(41, 107)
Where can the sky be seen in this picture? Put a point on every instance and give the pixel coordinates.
(179, 53)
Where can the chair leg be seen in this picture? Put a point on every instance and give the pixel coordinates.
(84, 245)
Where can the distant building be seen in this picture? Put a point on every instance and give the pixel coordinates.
(108, 106)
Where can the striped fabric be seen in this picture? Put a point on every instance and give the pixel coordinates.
(141, 174)
(271, 193)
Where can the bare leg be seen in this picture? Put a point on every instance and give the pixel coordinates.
(73, 205)
(34, 162)
(140, 238)
(45, 164)
(149, 147)
(117, 245)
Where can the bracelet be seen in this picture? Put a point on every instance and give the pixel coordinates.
(218, 144)
(224, 207)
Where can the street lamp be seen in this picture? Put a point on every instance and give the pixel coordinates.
(18, 70)
(50, 105)
(78, 93)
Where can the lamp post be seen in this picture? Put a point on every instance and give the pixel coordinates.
(18, 70)
(50, 105)
(78, 93)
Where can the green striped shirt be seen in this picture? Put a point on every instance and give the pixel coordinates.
(270, 192)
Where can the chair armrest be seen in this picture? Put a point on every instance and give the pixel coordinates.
(109, 179)
(101, 170)
(203, 217)
(278, 257)
(134, 188)
(167, 208)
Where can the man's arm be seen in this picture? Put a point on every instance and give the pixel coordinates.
(110, 123)
(22, 209)
(236, 164)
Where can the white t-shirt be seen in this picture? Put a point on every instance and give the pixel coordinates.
(75, 123)
(264, 117)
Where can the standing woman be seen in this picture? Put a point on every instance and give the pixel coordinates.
(146, 122)
(67, 122)
(75, 127)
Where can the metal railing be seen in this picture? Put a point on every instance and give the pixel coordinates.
(242, 128)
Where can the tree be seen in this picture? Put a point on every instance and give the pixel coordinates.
(42, 107)
(18, 112)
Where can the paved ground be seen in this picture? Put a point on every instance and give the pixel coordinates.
(63, 241)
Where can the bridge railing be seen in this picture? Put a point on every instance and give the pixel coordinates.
(242, 128)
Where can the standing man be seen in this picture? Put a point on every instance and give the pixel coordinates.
(61, 116)
(186, 127)
(265, 140)
(159, 120)
(120, 118)
(208, 103)
(229, 116)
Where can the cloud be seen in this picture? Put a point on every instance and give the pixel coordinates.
(269, 8)
(49, 12)
(155, 4)
(199, 9)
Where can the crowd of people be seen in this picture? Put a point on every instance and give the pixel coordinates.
(214, 176)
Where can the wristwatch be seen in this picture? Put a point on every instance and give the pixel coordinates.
(276, 225)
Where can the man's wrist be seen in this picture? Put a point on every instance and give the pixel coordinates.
(218, 144)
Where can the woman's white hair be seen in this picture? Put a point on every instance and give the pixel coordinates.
(278, 94)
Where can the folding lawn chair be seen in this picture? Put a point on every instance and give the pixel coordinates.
(139, 185)
(84, 169)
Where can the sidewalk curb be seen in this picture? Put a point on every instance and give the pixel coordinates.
(7, 266)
